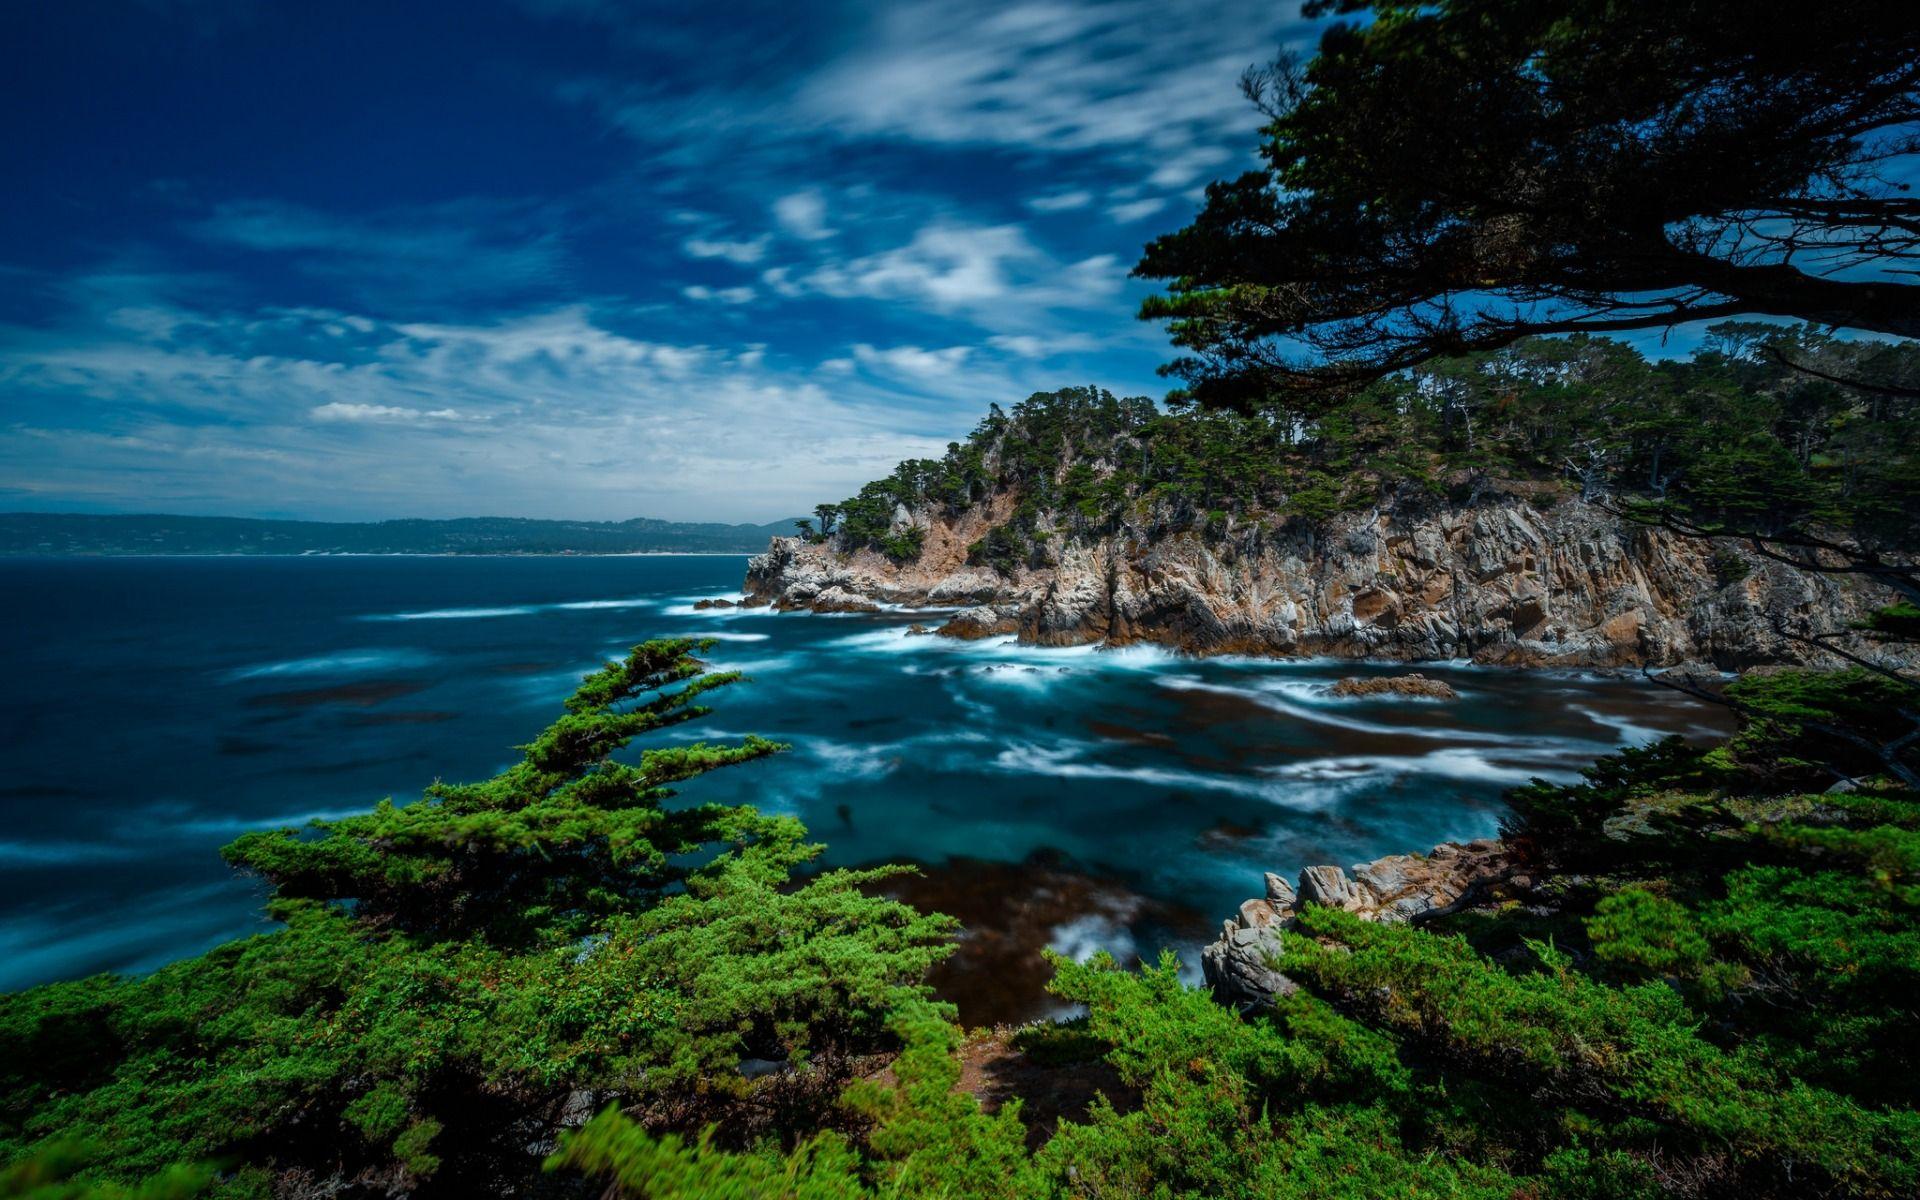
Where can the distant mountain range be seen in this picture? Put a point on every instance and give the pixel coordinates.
(71, 533)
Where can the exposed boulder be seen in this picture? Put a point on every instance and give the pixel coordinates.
(1243, 965)
(705, 604)
(981, 621)
(840, 600)
(1395, 685)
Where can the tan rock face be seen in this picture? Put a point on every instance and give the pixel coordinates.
(1245, 965)
(1497, 581)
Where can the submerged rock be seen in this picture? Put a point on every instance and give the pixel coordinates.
(1396, 685)
(1243, 966)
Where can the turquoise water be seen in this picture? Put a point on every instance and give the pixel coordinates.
(152, 709)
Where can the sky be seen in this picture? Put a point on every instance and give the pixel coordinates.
(578, 258)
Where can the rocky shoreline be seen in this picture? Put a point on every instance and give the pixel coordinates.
(1506, 579)
(1244, 964)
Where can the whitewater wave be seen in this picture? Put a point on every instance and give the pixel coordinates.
(852, 761)
(341, 662)
(524, 610)
(1273, 697)
(1066, 760)
(635, 602)
(1631, 733)
(232, 823)
(457, 614)
(1085, 936)
(1454, 762)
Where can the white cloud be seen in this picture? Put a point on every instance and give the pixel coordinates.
(912, 360)
(1136, 209)
(335, 410)
(991, 270)
(1183, 167)
(745, 253)
(1060, 201)
(1026, 345)
(803, 214)
(1150, 89)
(555, 413)
(727, 295)
(1127, 75)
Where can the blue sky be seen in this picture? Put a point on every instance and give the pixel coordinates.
(577, 258)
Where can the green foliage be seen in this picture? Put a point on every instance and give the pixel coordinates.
(1632, 1051)
(925, 1140)
(1810, 726)
(1732, 441)
(50, 1174)
(1457, 174)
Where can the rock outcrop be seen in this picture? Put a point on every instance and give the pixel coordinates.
(1245, 965)
(1509, 579)
(1416, 685)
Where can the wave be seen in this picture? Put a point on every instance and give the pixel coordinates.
(339, 663)
(1084, 936)
(1454, 762)
(1064, 761)
(235, 823)
(51, 854)
(593, 604)
(523, 610)
(855, 761)
(69, 943)
(1266, 697)
(1631, 733)
(457, 614)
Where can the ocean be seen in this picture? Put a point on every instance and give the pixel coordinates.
(151, 709)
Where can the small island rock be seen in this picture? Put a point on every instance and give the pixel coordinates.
(1395, 685)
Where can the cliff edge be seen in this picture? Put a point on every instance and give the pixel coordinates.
(1503, 579)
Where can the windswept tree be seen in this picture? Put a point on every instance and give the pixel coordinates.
(1451, 177)
(452, 971)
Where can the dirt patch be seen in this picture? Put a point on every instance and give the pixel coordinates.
(995, 1071)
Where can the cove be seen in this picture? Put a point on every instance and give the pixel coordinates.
(1078, 799)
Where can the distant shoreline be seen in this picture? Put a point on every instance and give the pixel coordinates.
(22, 555)
(163, 535)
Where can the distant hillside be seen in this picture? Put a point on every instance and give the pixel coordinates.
(68, 533)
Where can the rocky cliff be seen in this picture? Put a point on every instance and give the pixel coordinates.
(1521, 578)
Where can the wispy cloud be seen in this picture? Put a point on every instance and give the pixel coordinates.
(1132, 75)
(744, 253)
(725, 295)
(386, 414)
(1054, 202)
(554, 413)
(1135, 210)
(803, 214)
(953, 267)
